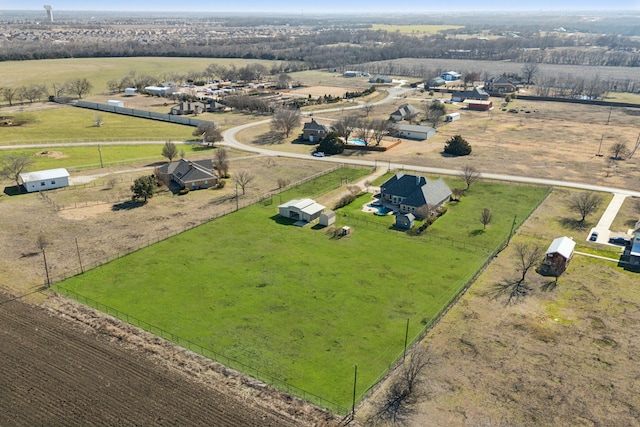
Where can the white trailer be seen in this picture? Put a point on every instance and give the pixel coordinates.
(452, 117)
(115, 103)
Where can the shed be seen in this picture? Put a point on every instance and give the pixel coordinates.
(452, 117)
(405, 220)
(559, 254)
(479, 105)
(115, 103)
(302, 210)
(44, 180)
(415, 132)
(327, 218)
(346, 230)
(129, 91)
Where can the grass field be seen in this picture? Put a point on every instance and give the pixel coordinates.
(294, 302)
(414, 29)
(78, 124)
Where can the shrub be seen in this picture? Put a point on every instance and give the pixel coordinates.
(183, 191)
(331, 144)
(345, 200)
(221, 183)
(457, 146)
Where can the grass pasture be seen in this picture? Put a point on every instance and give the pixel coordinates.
(296, 303)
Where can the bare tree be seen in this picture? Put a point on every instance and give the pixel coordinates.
(485, 217)
(32, 93)
(402, 395)
(79, 87)
(209, 132)
(170, 151)
(221, 162)
(368, 108)
(456, 194)
(530, 70)
(380, 129)
(345, 126)
(285, 120)
(527, 256)
(619, 151)
(470, 175)
(283, 182)
(12, 165)
(97, 122)
(585, 204)
(9, 94)
(435, 113)
(283, 81)
(243, 178)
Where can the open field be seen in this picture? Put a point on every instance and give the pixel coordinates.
(414, 29)
(100, 70)
(297, 312)
(564, 356)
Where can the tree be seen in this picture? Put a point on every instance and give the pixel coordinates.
(285, 120)
(113, 86)
(585, 204)
(243, 179)
(170, 151)
(221, 162)
(402, 394)
(435, 113)
(98, 120)
(79, 87)
(9, 94)
(530, 70)
(527, 256)
(209, 132)
(457, 146)
(470, 175)
(12, 165)
(619, 151)
(380, 129)
(283, 81)
(331, 144)
(59, 89)
(368, 108)
(32, 93)
(485, 217)
(144, 187)
(344, 126)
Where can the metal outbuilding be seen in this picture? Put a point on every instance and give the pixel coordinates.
(44, 180)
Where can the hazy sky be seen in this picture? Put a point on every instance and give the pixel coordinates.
(325, 6)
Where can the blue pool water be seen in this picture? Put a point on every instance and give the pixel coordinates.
(382, 210)
(356, 142)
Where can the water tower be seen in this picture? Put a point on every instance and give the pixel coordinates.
(49, 12)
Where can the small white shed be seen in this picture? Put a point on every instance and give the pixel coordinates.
(129, 91)
(327, 218)
(115, 103)
(44, 180)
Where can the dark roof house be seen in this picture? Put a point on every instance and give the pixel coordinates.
(188, 108)
(188, 174)
(411, 192)
(313, 131)
(476, 93)
(405, 111)
(500, 85)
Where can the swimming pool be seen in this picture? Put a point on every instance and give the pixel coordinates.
(357, 142)
(380, 210)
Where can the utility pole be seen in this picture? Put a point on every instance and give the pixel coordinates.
(46, 267)
(355, 381)
(609, 118)
(511, 232)
(599, 154)
(100, 153)
(237, 208)
(406, 337)
(79, 258)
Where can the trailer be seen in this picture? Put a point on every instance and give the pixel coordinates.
(452, 117)
(115, 103)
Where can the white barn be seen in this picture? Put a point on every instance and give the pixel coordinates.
(44, 180)
(302, 210)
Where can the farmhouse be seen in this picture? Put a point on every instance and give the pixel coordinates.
(476, 93)
(193, 175)
(479, 105)
(409, 193)
(450, 76)
(44, 180)
(305, 210)
(559, 254)
(405, 111)
(313, 131)
(500, 85)
(634, 252)
(417, 132)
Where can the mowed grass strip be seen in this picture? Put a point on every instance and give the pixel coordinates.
(296, 303)
(78, 124)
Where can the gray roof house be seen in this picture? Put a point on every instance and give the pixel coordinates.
(477, 94)
(410, 192)
(416, 132)
(193, 175)
(404, 111)
(313, 131)
(188, 108)
(634, 252)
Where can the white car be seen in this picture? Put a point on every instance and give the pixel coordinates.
(317, 154)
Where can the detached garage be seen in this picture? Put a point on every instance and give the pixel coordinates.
(305, 210)
(44, 180)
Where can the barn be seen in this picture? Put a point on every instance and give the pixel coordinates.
(306, 210)
(44, 180)
(477, 105)
(559, 254)
(417, 132)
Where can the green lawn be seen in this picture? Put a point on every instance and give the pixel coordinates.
(297, 304)
(73, 124)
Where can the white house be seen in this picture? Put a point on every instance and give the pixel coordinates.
(450, 76)
(302, 210)
(44, 180)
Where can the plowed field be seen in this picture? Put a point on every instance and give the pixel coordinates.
(54, 372)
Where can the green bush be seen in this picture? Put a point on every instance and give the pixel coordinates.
(457, 146)
(221, 183)
(183, 191)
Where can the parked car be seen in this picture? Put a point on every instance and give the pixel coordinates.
(594, 236)
(317, 154)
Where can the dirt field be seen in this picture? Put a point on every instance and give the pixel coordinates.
(56, 371)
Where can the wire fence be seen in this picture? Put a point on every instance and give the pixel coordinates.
(105, 140)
